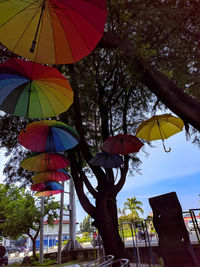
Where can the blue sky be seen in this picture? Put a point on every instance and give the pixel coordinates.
(161, 173)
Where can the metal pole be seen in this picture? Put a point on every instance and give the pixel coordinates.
(60, 227)
(42, 231)
(72, 213)
(136, 242)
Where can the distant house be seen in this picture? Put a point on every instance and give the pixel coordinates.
(51, 234)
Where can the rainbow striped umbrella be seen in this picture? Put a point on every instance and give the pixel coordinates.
(48, 193)
(52, 31)
(44, 162)
(51, 176)
(48, 136)
(33, 90)
(46, 186)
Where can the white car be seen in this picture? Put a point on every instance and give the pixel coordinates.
(191, 225)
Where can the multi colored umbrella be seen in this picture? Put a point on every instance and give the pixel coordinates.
(48, 193)
(33, 90)
(123, 144)
(106, 160)
(52, 31)
(51, 176)
(48, 136)
(45, 162)
(159, 127)
(46, 186)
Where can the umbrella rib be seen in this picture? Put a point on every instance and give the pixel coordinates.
(29, 91)
(56, 17)
(81, 15)
(151, 130)
(25, 27)
(82, 38)
(160, 127)
(52, 92)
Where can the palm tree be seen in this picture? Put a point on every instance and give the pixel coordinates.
(121, 212)
(133, 205)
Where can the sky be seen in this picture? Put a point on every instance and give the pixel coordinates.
(161, 172)
(177, 171)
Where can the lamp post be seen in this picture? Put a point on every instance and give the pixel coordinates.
(42, 230)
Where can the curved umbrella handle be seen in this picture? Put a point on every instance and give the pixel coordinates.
(167, 151)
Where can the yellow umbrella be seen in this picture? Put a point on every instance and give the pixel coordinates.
(159, 127)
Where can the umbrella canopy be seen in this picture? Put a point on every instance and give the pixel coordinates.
(33, 90)
(52, 176)
(46, 186)
(123, 144)
(48, 193)
(106, 160)
(52, 31)
(48, 136)
(45, 162)
(159, 127)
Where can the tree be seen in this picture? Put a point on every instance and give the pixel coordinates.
(86, 226)
(148, 48)
(22, 213)
(133, 205)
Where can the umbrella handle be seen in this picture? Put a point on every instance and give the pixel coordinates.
(167, 151)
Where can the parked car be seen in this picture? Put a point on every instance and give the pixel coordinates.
(3, 256)
(12, 249)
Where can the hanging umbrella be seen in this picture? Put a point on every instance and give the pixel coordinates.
(106, 160)
(48, 193)
(159, 127)
(123, 144)
(52, 31)
(46, 186)
(48, 136)
(51, 176)
(45, 162)
(33, 90)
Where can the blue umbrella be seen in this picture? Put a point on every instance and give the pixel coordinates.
(106, 160)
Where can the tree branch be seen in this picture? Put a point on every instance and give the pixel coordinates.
(166, 90)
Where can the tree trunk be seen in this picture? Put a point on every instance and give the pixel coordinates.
(33, 239)
(107, 224)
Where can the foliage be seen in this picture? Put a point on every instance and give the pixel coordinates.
(22, 212)
(86, 226)
(134, 206)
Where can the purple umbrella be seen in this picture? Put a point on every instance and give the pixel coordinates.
(106, 160)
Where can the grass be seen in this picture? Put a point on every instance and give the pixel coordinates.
(17, 264)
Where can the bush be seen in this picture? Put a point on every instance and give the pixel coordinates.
(85, 235)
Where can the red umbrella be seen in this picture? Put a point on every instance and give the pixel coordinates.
(123, 144)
